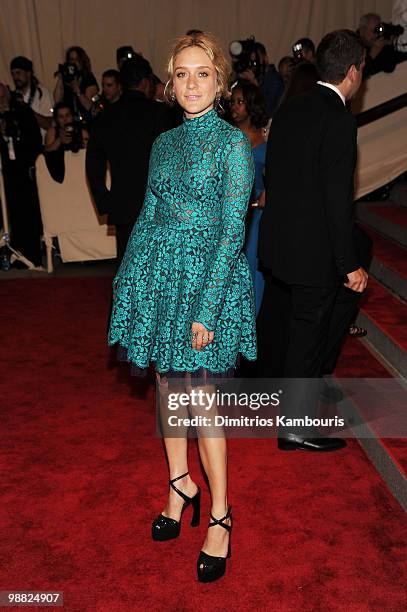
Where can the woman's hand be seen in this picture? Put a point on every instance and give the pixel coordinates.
(66, 137)
(201, 337)
(262, 199)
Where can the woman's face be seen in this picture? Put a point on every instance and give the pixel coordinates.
(73, 58)
(238, 107)
(195, 81)
(64, 117)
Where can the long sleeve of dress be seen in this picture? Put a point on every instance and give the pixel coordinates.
(237, 185)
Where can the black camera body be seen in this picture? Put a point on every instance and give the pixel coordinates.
(387, 30)
(298, 52)
(75, 130)
(242, 52)
(69, 72)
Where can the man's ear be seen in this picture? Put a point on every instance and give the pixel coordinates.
(351, 74)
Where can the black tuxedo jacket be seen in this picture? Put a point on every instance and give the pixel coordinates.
(122, 135)
(307, 234)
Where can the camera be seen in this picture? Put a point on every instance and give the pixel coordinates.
(303, 50)
(387, 30)
(99, 103)
(75, 130)
(245, 56)
(68, 71)
(298, 52)
(125, 53)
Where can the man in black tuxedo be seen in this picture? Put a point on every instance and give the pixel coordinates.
(123, 136)
(307, 237)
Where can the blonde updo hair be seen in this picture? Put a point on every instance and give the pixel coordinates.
(208, 43)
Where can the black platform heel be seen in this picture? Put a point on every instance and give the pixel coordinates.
(212, 568)
(166, 528)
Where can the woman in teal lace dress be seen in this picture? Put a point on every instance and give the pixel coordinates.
(183, 296)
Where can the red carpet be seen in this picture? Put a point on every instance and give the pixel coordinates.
(84, 475)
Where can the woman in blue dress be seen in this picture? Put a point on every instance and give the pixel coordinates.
(249, 113)
(183, 296)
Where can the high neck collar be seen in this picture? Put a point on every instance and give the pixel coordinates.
(204, 121)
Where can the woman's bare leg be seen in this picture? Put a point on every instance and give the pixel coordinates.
(176, 449)
(213, 453)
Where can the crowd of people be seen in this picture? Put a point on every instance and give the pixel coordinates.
(63, 118)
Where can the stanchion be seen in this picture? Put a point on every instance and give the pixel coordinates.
(5, 234)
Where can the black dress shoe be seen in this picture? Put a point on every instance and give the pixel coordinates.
(292, 442)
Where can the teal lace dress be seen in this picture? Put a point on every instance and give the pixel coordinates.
(184, 260)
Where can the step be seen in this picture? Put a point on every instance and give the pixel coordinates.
(389, 263)
(387, 219)
(389, 455)
(384, 315)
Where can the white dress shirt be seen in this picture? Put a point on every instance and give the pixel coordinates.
(340, 94)
(42, 105)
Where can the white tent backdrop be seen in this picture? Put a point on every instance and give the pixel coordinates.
(43, 29)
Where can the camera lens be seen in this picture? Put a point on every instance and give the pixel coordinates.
(235, 47)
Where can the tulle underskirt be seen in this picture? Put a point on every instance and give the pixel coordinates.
(198, 377)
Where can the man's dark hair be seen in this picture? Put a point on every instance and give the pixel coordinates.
(23, 63)
(306, 43)
(113, 74)
(303, 79)
(336, 53)
(134, 71)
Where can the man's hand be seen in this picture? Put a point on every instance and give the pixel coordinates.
(201, 337)
(357, 280)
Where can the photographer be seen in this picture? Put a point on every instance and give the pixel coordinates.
(76, 84)
(304, 51)
(111, 92)
(123, 54)
(111, 86)
(122, 136)
(20, 145)
(381, 55)
(37, 97)
(66, 135)
(250, 63)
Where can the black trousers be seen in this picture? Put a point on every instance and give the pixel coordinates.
(301, 329)
(300, 334)
(23, 210)
(123, 232)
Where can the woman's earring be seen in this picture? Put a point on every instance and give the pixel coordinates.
(172, 97)
(217, 105)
